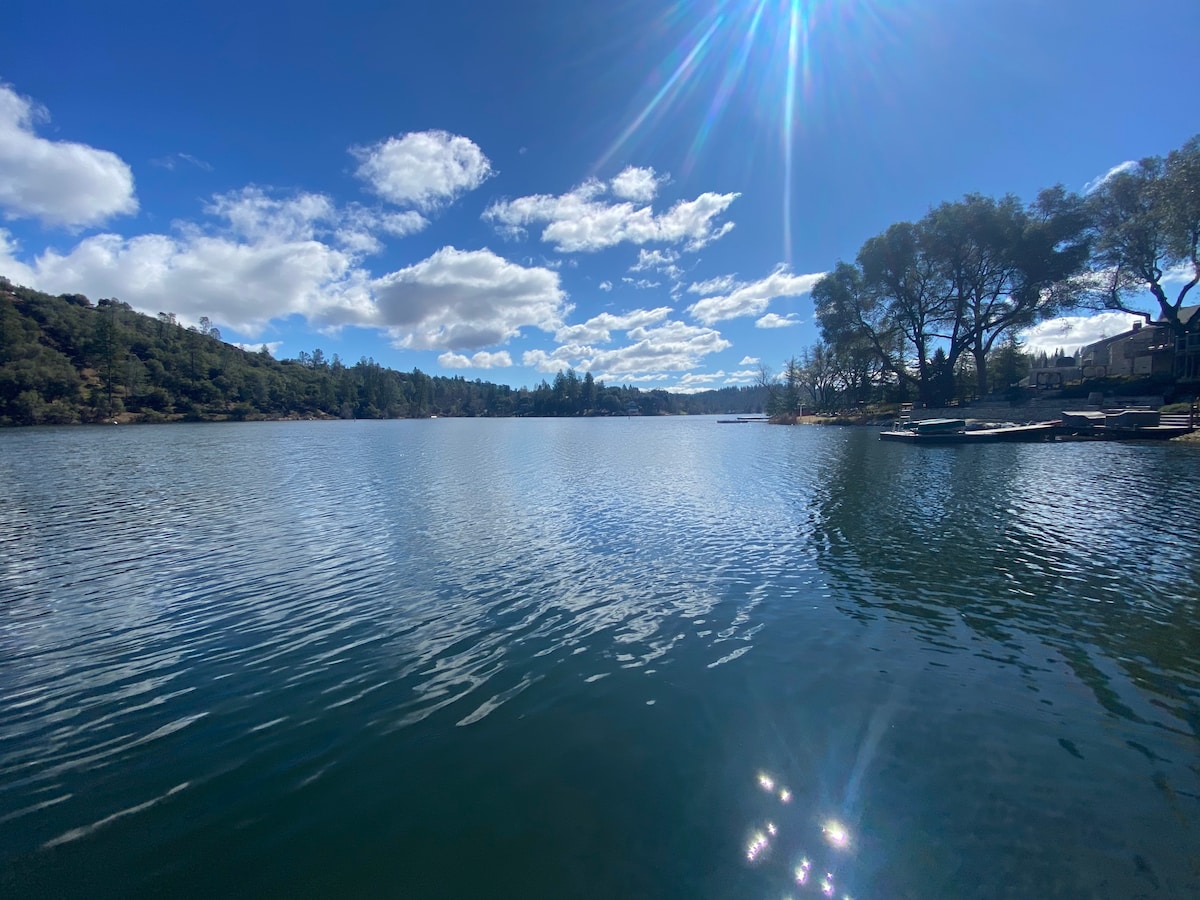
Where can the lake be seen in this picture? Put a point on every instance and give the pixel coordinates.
(595, 658)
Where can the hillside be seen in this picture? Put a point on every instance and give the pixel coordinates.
(65, 360)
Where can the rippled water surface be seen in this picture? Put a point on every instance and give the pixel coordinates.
(603, 658)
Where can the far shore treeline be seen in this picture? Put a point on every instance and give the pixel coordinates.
(65, 360)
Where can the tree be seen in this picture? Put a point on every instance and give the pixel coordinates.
(956, 281)
(1008, 365)
(1147, 224)
(817, 376)
(1002, 266)
(108, 349)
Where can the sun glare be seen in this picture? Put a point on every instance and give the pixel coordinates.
(756, 55)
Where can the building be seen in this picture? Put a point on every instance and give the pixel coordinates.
(1145, 350)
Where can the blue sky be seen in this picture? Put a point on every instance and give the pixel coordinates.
(499, 190)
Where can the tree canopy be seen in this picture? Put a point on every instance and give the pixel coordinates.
(1147, 237)
(958, 280)
(63, 360)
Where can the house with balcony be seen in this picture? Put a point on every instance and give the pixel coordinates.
(1145, 350)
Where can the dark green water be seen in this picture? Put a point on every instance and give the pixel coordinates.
(627, 658)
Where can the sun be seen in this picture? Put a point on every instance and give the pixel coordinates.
(760, 54)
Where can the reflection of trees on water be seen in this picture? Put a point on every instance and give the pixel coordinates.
(1080, 546)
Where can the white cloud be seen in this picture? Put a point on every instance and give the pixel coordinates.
(656, 260)
(11, 266)
(1128, 166)
(605, 286)
(667, 347)
(749, 361)
(742, 376)
(466, 300)
(267, 257)
(264, 256)
(722, 284)
(692, 380)
(1070, 333)
(642, 284)
(425, 169)
(774, 320)
(255, 215)
(235, 283)
(273, 347)
(598, 329)
(752, 299)
(1180, 274)
(271, 257)
(480, 360)
(57, 182)
(584, 220)
(664, 261)
(638, 184)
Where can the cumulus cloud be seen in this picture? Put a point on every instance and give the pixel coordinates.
(598, 329)
(261, 256)
(752, 299)
(467, 299)
(774, 320)
(587, 219)
(1128, 166)
(1070, 333)
(669, 346)
(254, 214)
(605, 286)
(425, 169)
(480, 360)
(638, 184)
(242, 284)
(57, 182)
(749, 361)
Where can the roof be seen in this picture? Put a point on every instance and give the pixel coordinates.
(1186, 313)
(1185, 316)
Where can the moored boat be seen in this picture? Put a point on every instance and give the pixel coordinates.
(955, 431)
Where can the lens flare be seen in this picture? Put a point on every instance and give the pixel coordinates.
(757, 846)
(836, 834)
(802, 871)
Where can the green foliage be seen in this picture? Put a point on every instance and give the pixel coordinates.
(953, 284)
(63, 360)
(1147, 224)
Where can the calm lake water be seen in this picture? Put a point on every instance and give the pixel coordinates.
(595, 658)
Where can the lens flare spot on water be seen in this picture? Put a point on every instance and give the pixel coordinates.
(757, 846)
(766, 782)
(785, 796)
(836, 834)
(802, 871)
(827, 885)
(771, 829)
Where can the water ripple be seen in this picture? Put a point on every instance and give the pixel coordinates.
(250, 607)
